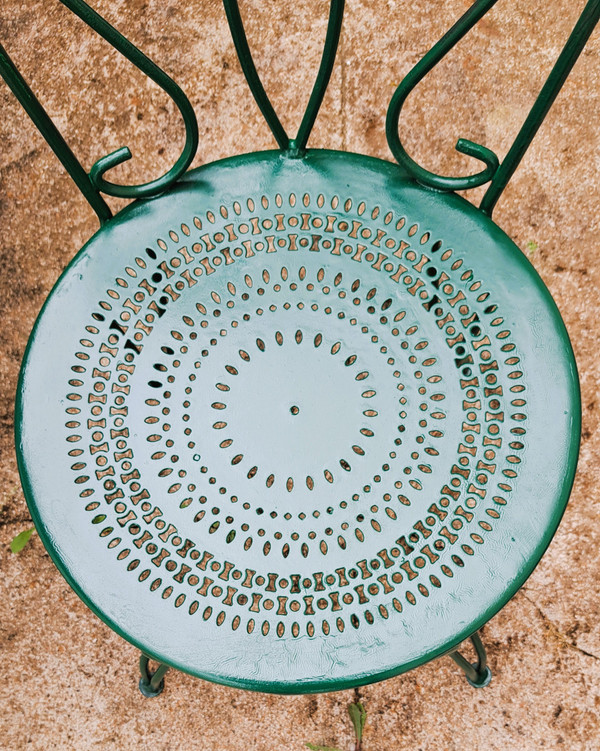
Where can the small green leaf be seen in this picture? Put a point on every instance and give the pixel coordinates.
(532, 246)
(320, 748)
(21, 540)
(358, 715)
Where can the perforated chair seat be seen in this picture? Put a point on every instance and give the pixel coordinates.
(298, 424)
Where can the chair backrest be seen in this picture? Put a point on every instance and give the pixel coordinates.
(497, 173)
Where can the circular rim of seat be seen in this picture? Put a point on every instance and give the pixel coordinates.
(381, 187)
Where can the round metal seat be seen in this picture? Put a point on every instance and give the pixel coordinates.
(305, 419)
(298, 424)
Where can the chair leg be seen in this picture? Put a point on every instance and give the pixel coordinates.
(477, 673)
(151, 683)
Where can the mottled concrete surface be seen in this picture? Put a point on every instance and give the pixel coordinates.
(68, 682)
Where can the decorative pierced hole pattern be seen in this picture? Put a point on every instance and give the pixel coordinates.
(286, 358)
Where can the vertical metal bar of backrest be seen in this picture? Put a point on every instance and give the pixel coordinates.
(240, 41)
(566, 60)
(51, 134)
(295, 147)
(332, 40)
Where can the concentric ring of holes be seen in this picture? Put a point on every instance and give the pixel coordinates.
(487, 366)
(424, 365)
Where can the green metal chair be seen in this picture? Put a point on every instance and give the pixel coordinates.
(306, 419)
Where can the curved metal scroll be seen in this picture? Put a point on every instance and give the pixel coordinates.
(135, 56)
(420, 70)
(91, 185)
(499, 174)
(294, 146)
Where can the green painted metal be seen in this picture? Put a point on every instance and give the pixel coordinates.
(477, 674)
(332, 38)
(50, 132)
(301, 423)
(314, 437)
(573, 48)
(152, 683)
(464, 146)
(498, 174)
(150, 69)
(91, 185)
